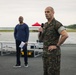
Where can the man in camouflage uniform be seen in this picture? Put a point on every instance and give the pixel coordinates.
(50, 35)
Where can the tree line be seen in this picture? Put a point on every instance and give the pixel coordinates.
(73, 26)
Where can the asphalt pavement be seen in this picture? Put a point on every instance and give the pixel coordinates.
(68, 63)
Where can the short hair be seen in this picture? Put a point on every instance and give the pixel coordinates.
(51, 8)
(20, 16)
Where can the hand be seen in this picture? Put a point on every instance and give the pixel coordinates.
(52, 47)
(40, 29)
(26, 43)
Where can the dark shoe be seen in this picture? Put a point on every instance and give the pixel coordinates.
(16, 66)
(26, 65)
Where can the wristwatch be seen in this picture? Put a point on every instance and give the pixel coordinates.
(57, 46)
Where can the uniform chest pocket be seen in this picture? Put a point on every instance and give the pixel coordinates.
(49, 32)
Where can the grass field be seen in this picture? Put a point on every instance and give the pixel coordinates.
(68, 30)
(71, 30)
(6, 30)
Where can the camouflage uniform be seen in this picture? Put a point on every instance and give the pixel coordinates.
(51, 59)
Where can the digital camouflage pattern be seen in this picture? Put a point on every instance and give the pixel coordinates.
(51, 59)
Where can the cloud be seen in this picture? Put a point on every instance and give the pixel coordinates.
(33, 10)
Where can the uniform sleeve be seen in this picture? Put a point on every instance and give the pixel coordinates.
(59, 27)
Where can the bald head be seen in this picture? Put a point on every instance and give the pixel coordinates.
(50, 8)
(20, 19)
(49, 13)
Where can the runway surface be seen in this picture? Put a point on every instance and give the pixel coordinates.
(68, 63)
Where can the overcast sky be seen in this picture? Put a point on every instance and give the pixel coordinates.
(33, 11)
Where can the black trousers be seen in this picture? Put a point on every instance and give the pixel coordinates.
(18, 53)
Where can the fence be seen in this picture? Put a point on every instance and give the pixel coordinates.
(7, 47)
